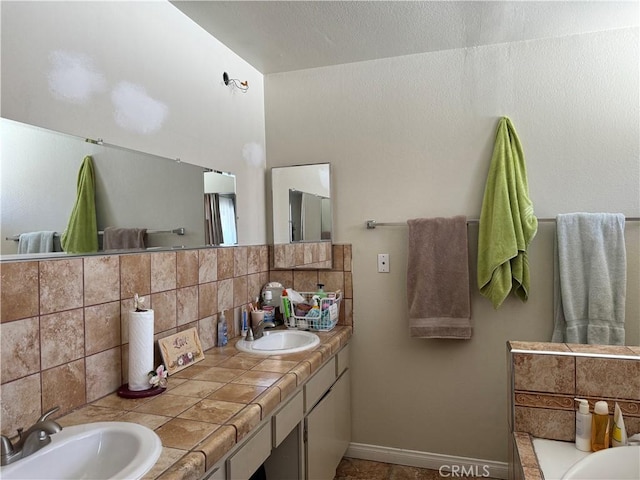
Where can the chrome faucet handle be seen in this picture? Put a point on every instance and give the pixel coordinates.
(5, 446)
(48, 413)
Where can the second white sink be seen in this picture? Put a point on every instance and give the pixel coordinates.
(280, 342)
(621, 463)
(100, 450)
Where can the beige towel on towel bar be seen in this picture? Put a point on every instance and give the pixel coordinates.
(438, 278)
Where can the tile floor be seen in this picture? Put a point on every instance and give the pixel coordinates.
(355, 469)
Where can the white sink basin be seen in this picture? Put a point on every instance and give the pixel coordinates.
(621, 463)
(280, 342)
(96, 451)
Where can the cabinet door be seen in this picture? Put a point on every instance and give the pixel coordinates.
(242, 464)
(342, 390)
(318, 385)
(219, 472)
(287, 418)
(328, 428)
(319, 449)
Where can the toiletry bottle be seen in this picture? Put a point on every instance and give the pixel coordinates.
(600, 426)
(243, 328)
(222, 330)
(286, 306)
(583, 426)
(315, 310)
(268, 306)
(618, 430)
(321, 293)
(225, 332)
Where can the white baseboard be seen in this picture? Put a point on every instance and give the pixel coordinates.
(449, 466)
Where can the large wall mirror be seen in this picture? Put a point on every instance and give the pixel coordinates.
(302, 216)
(180, 205)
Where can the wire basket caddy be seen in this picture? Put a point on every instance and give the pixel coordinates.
(328, 318)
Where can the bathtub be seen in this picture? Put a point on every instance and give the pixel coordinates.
(562, 460)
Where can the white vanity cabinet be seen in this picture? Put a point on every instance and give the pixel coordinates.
(328, 422)
(304, 438)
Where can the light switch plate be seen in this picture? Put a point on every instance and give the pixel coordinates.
(383, 263)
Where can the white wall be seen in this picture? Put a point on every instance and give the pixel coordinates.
(412, 137)
(140, 75)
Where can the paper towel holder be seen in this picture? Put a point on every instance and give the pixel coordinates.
(124, 392)
(140, 379)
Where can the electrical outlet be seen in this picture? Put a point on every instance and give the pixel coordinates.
(383, 263)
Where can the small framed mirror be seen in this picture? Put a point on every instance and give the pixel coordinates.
(302, 216)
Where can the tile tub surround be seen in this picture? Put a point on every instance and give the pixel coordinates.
(546, 377)
(64, 325)
(211, 406)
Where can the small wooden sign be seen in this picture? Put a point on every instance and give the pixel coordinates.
(181, 350)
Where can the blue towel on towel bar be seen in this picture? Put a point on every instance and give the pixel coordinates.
(36, 242)
(590, 279)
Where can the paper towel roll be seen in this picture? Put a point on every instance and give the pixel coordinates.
(140, 349)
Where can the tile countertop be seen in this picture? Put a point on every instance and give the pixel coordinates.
(213, 404)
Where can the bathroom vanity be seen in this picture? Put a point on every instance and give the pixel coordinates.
(305, 437)
(296, 420)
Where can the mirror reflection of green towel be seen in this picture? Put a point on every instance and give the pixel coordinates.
(81, 235)
(507, 222)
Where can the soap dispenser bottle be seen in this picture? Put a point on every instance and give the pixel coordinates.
(321, 293)
(583, 426)
(600, 427)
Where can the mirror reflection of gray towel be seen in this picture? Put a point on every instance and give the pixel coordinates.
(36, 242)
(438, 278)
(120, 238)
(590, 279)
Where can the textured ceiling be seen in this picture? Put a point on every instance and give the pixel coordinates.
(276, 36)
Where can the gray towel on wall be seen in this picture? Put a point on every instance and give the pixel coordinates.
(590, 279)
(438, 278)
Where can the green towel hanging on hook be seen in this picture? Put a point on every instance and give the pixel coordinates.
(81, 235)
(507, 222)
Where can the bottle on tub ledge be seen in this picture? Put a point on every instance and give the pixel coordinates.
(583, 426)
(600, 426)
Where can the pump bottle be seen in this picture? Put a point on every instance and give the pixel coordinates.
(583, 426)
(321, 293)
(600, 427)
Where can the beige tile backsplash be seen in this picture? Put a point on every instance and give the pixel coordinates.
(64, 325)
(545, 385)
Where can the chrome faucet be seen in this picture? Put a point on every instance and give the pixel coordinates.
(37, 436)
(258, 331)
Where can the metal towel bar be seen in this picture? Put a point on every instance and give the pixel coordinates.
(177, 231)
(371, 224)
